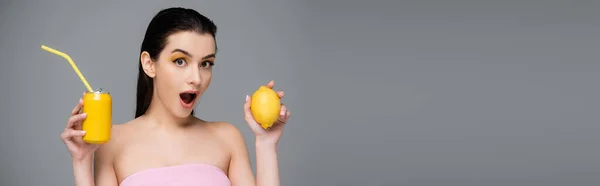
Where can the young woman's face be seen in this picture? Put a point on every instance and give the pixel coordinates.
(183, 71)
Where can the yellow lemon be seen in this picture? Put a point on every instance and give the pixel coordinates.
(265, 106)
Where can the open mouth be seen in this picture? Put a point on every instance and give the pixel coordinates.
(187, 98)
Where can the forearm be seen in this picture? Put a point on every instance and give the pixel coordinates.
(267, 168)
(82, 170)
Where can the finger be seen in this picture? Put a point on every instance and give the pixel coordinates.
(282, 111)
(247, 113)
(280, 93)
(73, 120)
(271, 84)
(68, 134)
(77, 107)
(282, 119)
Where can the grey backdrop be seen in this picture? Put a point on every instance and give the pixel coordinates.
(446, 92)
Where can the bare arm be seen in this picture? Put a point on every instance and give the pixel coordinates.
(102, 174)
(266, 140)
(82, 170)
(240, 171)
(82, 153)
(267, 168)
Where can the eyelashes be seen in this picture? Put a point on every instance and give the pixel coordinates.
(208, 64)
(181, 61)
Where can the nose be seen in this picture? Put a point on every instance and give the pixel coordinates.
(195, 77)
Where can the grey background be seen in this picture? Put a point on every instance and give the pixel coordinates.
(446, 92)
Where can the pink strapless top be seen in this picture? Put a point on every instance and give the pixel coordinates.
(179, 175)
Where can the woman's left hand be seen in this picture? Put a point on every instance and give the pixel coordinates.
(272, 134)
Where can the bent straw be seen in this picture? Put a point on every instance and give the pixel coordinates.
(68, 58)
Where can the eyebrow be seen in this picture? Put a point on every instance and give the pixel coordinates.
(190, 55)
(208, 56)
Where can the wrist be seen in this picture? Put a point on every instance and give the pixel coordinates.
(82, 161)
(265, 144)
(265, 151)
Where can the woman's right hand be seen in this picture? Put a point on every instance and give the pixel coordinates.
(72, 136)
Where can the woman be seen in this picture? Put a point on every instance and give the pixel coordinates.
(165, 144)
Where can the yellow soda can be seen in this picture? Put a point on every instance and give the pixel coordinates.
(98, 123)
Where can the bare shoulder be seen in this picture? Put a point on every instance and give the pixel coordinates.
(107, 150)
(224, 129)
(104, 157)
(107, 153)
(118, 139)
(227, 131)
(239, 170)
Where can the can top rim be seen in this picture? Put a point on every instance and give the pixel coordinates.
(98, 91)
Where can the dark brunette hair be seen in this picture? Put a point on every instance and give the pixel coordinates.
(166, 22)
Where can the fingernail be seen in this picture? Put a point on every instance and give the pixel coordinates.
(83, 132)
(247, 97)
(84, 114)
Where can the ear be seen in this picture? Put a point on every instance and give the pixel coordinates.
(147, 64)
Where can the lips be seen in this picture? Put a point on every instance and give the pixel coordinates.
(188, 98)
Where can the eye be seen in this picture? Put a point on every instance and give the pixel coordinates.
(180, 61)
(207, 64)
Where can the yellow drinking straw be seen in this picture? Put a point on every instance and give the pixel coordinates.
(68, 58)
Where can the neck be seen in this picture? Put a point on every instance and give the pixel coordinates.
(159, 116)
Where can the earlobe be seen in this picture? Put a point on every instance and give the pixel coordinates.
(147, 64)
